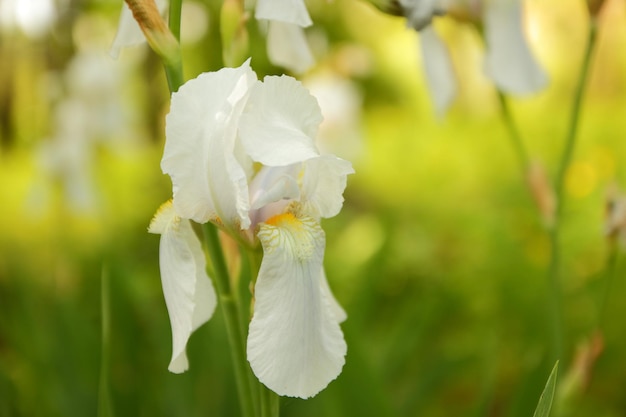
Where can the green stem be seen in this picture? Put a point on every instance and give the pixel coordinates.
(249, 270)
(105, 407)
(174, 75)
(230, 311)
(514, 135)
(269, 402)
(174, 19)
(559, 185)
(174, 66)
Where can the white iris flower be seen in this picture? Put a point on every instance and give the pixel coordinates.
(241, 154)
(508, 62)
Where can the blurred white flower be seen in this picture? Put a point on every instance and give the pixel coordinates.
(92, 113)
(340, 101)
(286, 41)
(508, 62)
(33, 17)
(241, 154)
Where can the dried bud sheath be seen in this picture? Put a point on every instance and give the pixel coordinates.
(158, 35)
(594, 7)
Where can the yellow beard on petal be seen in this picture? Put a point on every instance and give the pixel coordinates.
(284, 220)
(295, 234)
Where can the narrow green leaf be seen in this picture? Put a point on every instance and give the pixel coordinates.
(545, 401)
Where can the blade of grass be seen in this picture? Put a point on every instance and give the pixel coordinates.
(545, 401)
(105, 407)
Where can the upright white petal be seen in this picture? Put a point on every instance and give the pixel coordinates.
(288, 47)
(323, 183)
(439, 70)
(509, 62)
(200, 150)
(189, 294)
(295, 344)
(280, 121)
(288, 11)
(128, 31)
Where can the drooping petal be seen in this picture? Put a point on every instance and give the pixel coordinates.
(200, 149)
(279, 123)
(288, 11)
(189, 294)
(509, 61)
(439, 70)
(295, 344)
(323, 183)
(128, 31)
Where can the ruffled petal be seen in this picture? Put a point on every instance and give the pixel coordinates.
(439, 70)
(288, 47)
(295, 345)
(128, 31)
(509, 62)
(201, 154)
(323, 183)
(279, 123)
(288, 11)
(189, 294)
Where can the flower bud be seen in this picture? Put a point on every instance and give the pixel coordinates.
(595, 6)
(158, 35)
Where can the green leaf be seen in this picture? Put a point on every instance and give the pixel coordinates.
(545, 401)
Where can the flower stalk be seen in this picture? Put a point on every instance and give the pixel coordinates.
(514, 135)
(163, 41)
(230, 309)
(175, 18)
(559, 186)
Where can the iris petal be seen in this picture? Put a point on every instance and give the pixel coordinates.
(288, 47)
(323, 184)
(509, 62)
(288, 11)
(439, 70)
(295, 345)
(189, 294)
(201, 153)
(280, 121)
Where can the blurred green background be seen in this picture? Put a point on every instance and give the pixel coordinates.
(439, 256)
